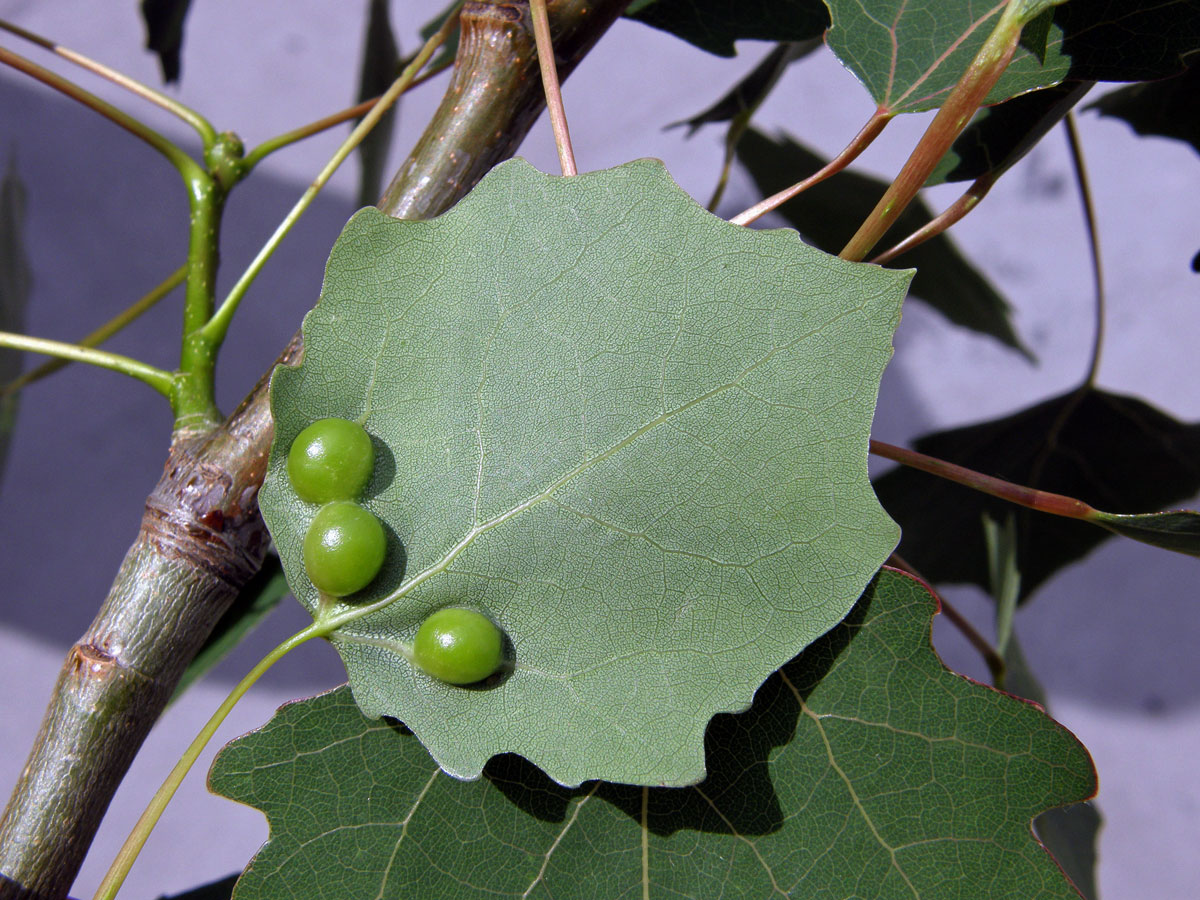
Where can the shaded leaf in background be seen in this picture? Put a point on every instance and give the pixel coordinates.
(909, 59)
(257, 598)
(749, 93)
(1116, 453)
(632, 433)
(16, 279)
(829, 213)
(380, 66)
(1169, 108)
(714, 25)
(216, 890)
(164, 33)
(739, 104)
(1001, 135)
(864, 769)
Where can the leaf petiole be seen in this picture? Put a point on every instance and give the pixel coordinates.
(861, 142)
(269, 146)
(550, 83)
(207, 133)
(1093, 231)
(128, 854)
(159, 379)
(184, 164)
(105, 331)
(954, 116)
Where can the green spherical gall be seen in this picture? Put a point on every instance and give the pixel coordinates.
(331, 459)
(343, 549)
(459, 646)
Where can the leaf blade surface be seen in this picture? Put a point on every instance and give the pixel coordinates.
(632, 434)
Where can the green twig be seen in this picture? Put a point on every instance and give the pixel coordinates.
(216, 328)
(861, 142)
(180, 160)
(104, 332)
(207, 133)
(124, 860)
(159, 379)
(966, 97)
(551, 86)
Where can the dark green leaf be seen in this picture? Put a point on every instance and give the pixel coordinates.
(830, 212)
(748, 94)
(16, 280)
(1121, 40)
(1116, 453)
(164, 32)
(1070, 834)
(380, 66)
(1001, 135)
(1169, 108)
(909, 58)
(217, 890)
(260, 595)
(865, 769)
(714, 25)
(632, 433)
(1177, 530)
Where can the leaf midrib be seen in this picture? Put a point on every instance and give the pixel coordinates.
(338, 620)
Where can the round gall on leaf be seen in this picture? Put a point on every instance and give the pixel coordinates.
(458, 646)
(343, 548)
(331, 459)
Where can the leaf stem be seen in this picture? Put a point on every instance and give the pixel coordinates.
(1042, 501)
(1067, 98)
(180, 160)
(217, 327)
(104, 332)
(942, 222)
(1089, 215)
(128, 854)
(159, 379)
(201, 125)
(269, 146)
(554, 103)
(861, 142)
(966, 97)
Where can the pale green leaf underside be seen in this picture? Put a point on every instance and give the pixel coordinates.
(863, 770)
(631, 433)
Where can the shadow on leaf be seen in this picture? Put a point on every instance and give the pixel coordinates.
(738, 796)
